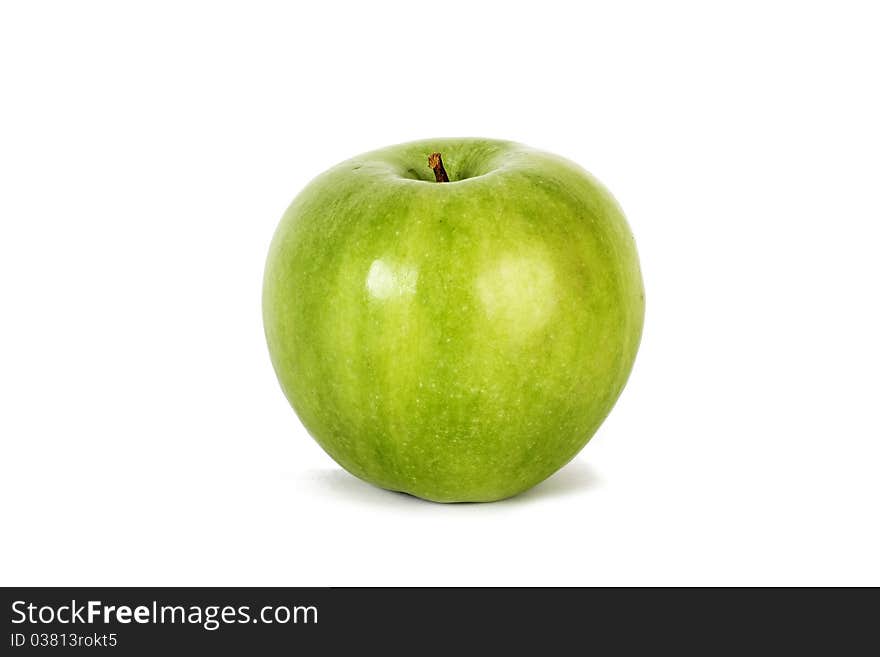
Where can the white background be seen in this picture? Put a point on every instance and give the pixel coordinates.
(147, 151)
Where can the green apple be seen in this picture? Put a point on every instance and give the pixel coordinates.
(455, 332)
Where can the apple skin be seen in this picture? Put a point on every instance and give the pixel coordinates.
(457, 341)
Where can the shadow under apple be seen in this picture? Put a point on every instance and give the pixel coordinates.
(575, 478)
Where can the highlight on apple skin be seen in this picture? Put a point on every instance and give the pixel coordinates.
(453, 318)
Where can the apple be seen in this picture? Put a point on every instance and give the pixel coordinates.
(453, 318)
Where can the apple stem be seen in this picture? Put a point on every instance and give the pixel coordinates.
(436, 163)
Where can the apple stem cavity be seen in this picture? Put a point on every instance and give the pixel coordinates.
(436, 163)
